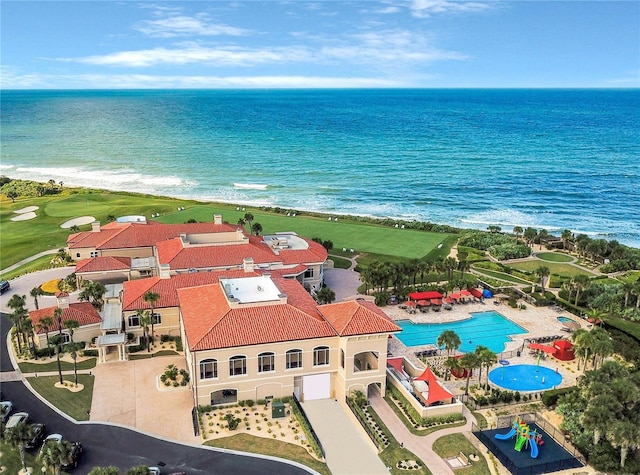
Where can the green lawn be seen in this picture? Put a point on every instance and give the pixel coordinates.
(25, 238)
(565, 270)
(275, 448)
(76, 405)
(451, 445)
(632, 328)
(554, 257)
(502, 276)
(34, 367)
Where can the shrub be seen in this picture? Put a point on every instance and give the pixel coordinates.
(550, 398)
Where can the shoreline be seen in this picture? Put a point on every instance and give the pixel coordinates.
(381, 219)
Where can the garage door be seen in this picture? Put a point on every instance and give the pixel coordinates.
(317, 386)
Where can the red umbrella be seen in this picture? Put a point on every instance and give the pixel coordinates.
(410, 303)
(465, 293)
(436, 301)
(423, 303)
(447, 300)
(541, 347)
(455, 296)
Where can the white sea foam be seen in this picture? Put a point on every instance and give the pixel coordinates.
(251, 186)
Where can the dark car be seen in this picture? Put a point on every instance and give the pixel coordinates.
(74, 457)
(38, 432)
(4, 286)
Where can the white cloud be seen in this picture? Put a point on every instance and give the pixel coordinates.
(426, 8)
(181, 25)
(195, 54)
(144, 81)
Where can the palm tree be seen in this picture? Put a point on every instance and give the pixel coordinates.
(599, 413)
(451, 364)
(72, 325)
(111, 470)
(530, 235)
(450, 265)
(152, 298)
(12, 195)
(450, 340)
(17, 304)
(602, 345)
(57, 314)
(18, 436)
(542, 235)
(469, 362)
(566, 236)
(542, 272)
(27, 327)
(56, 341)
(624, 435)
(463, 266)
(53, 454)
(44, 324)
(145, 321)
(627, 288)
(35, 293)
(487, 359)
(325, 295)
(580, 282)
(517, 231)
(256, 228)
(248, 218)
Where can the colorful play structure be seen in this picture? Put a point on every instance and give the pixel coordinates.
(523, 435)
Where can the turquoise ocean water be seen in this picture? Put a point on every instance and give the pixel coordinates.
(551, 159)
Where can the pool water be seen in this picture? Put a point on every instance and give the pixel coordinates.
(490, 329)
(565, 319)
(525, 377)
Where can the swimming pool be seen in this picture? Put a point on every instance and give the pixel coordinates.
(525, 377)
(565, 319)
(490, 329)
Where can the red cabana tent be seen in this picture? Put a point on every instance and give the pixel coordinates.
(436, 391)
(396, 363)
(425, 295)
(563, 350)
(541, 347)
(477, 293)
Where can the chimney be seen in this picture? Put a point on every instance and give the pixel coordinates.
(165, 271)
(95, 227)
(217, 219)
(63, 300)
(247, 264)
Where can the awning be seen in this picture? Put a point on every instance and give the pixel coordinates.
(425, 295)
(436, 391)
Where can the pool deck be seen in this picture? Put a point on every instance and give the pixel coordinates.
(537, 321)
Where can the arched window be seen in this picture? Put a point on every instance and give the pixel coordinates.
(266, 362)
(237, 365)
(321, 356)
(209, 369)
(294, 359)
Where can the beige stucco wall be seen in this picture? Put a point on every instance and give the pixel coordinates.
(170, 325)
(360, 380)
(85, 333)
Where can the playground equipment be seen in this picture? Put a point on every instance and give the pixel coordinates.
(523, 434)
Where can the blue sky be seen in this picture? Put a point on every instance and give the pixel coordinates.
(298, 43)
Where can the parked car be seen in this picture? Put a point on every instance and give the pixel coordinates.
(6, 407)
(76, 452)
(154, 471)
(4, 286)
(15, 419)
(51, 438)
(38, 432)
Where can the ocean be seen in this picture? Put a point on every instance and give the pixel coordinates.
(552, 159)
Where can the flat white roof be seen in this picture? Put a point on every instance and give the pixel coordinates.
(288, 240)
(251, 289)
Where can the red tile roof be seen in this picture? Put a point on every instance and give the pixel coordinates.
(83, 312)
(134, 290)
(98, 264)
(357, 317)
(129, 235)
(209, 321)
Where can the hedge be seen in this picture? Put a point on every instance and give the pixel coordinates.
(550, 398)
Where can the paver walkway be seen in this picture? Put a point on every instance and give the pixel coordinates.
(348, 451)
(419, 445)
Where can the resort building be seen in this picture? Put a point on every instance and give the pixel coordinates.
(133, 247)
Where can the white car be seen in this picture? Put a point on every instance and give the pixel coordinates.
(6, 407)
(15, 419)
(154, 471)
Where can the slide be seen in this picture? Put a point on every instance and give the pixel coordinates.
(520, 442)
(534, 449)
(506, 436)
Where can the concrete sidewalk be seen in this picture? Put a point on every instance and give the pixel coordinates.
(348, 450)
(419, 445)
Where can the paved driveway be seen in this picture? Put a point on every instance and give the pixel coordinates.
(343, 282)
(129, 393)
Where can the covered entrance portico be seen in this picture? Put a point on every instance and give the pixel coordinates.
(111, 340)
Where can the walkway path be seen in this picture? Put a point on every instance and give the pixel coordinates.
(29, 259)
(419, 445)
(348, 451)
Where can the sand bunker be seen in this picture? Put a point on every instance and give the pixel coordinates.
(28, 209)
(77, 221)
(24, 216)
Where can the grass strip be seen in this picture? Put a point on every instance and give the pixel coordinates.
(74, 404)
(31, 367)
(408, 424)
(554, 257)
(451, 445)
(275, 448)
